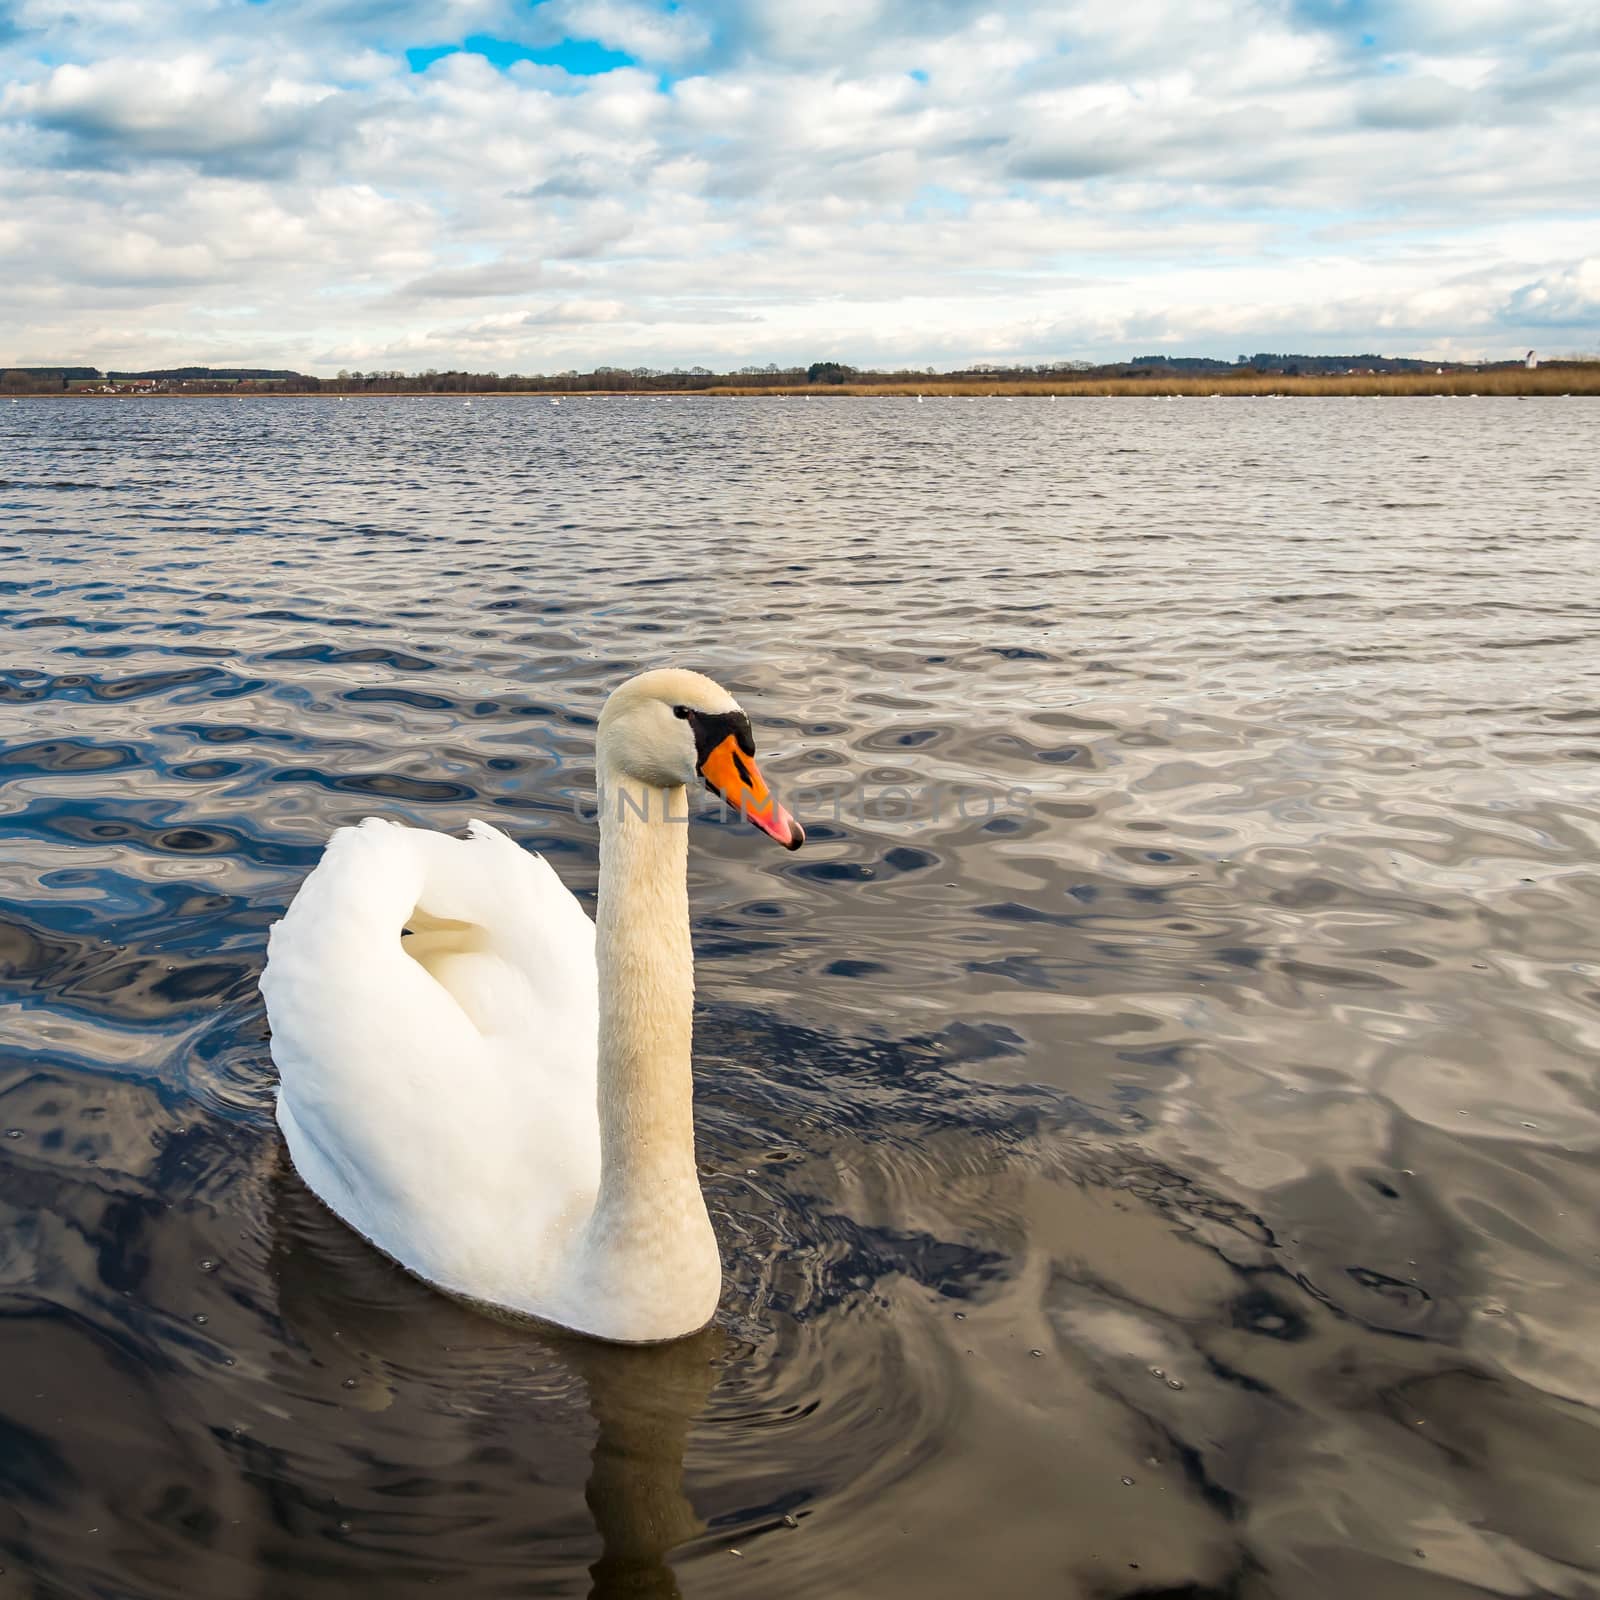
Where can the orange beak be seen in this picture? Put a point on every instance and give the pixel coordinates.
(736, 777)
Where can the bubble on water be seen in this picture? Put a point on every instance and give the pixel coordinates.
(13, 1133)
(349, 1383)
(1494, 1309)
(1174, 1383)
(1036, 1353)
(209, 1265)
(790, 1521)
(1128, 1482)
(961, 1316)
(201, 1318)
(1158, 1372)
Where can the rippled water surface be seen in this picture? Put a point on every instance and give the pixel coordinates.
(1151, 1127)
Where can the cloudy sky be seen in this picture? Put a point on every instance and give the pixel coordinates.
(526, 187)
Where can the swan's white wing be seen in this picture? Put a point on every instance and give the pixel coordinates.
(438, 1089)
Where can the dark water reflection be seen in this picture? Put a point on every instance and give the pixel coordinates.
(1153, 1139)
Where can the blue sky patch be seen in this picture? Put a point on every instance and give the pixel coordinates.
(583, 58)
(935, 199)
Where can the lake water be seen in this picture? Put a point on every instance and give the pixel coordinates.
(1151, 1127)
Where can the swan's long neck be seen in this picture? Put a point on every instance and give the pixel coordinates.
(646, 973)
(647, 1266)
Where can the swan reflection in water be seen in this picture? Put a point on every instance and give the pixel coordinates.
(453, 1395)
(644, 1402)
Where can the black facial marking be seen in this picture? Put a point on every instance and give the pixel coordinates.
(712, 727)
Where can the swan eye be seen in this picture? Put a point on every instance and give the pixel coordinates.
(680, 711)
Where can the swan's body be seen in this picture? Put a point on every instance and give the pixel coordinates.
(490, 1088)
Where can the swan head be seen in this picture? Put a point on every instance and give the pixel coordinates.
(668, 727)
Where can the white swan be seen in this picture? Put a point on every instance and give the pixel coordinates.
(489, 1089)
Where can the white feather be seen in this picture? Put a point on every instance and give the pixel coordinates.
(438, 1090)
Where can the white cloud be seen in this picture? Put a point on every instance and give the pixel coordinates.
(487, 280)
(1569, 298)
(118, 112)
(645, 32)
(1416, 102)
(877, 180)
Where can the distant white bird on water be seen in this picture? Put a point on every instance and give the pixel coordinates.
(554, 401)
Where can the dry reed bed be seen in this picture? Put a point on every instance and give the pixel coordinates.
(1584, 380)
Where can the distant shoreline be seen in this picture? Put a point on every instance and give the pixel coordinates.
(1579, 379)
(1519, 381)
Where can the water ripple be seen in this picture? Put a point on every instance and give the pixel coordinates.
(1152, 1128)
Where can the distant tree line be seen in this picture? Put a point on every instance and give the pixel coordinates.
(186, 374)
(51, 380)
(627, 380)
(1291, 366)
(41, 380)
